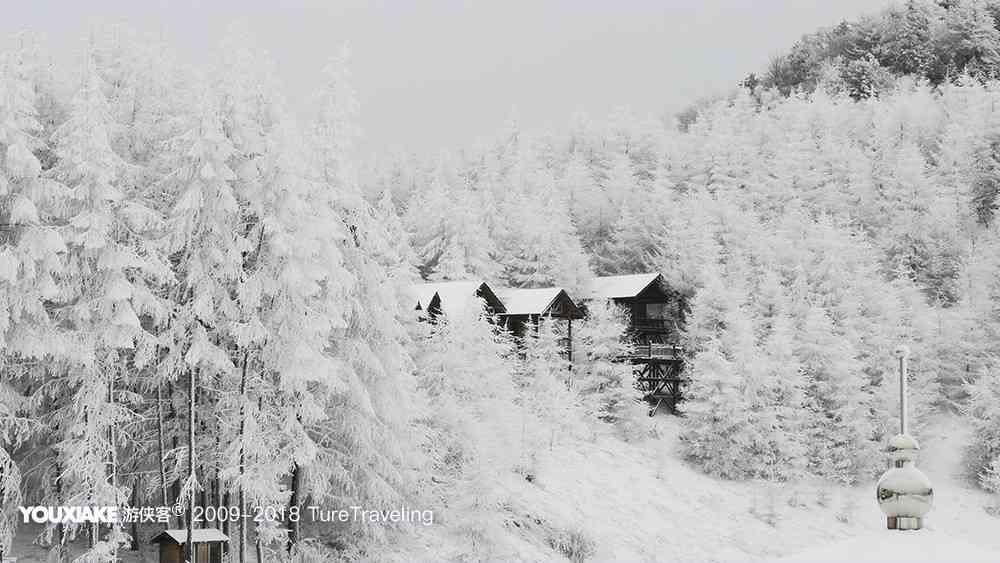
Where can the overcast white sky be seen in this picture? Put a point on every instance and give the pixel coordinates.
(442, 73)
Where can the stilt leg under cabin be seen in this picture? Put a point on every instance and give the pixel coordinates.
(658, 371)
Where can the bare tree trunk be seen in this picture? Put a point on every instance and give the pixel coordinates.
(60, 527)
(3, 552)
(293, 501)
(91, 528)
(243, 454)
(175, 485)
(203, 494)
(216, 491)
(113, 465)
(135, 524)
(161, 444)
(227, 527)
(189, 545)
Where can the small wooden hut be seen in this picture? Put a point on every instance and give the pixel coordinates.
(524, 308)
(656, 315)
(208, 545)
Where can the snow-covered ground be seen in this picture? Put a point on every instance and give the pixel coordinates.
(957, 530)
(912, 547)
(637, 501)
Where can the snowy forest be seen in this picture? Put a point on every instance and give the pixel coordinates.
(203, 297)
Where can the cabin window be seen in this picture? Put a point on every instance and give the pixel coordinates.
(656, 311)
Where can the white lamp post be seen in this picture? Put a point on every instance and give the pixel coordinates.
(904, 493)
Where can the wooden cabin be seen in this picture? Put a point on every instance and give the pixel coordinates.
(208, 545)
(525, 307)
(433, 299)
(655, 316)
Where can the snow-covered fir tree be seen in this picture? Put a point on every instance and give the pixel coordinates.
(599, 377)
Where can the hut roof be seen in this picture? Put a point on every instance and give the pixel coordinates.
(455, 295)
(199, 535)
(421, 295)
(529, 301)
(533, 301)
(620, 287)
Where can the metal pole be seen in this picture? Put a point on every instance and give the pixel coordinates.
(569, 341)
(902, 393)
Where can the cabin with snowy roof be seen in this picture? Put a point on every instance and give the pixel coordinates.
(433, 299)
(208, 544)
(525, 307)
(656, 315)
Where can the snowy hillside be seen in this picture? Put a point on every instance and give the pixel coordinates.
(914, 547)
(635, 501)
(212, 310)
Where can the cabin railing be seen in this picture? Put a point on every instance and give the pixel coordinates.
(651, 324)
(657, 351)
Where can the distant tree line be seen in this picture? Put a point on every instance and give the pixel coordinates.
(937, 40)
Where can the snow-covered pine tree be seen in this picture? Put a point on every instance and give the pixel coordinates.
(30, 248)
(839, 432)
(686, 239)
(31, 244)
(617, 187)
(465, 368)
(740, 420)
(364, 443)
(712, 412)
(149, 101)
(632, 239)
(208, 248)
(709, 309)
(430, 233)
(543, 388)
(990, 480)
(984, 414)
(604, 383)
(537, 243)
(581, 191)
(782, 403)
(286, 296)
(301, 287)
(397, 256)
(463, 248)
(108, 279)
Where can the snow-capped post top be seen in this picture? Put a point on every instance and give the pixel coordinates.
(902, 351)
(903, 448)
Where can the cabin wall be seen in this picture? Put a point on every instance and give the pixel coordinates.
(493, 303)
(655, 316)
(171, 553)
